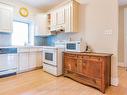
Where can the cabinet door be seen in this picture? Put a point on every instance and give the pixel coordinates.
(8, 61)
(32, 60)
(61, 16)
(92, 67)
(79, 66)
(39, 59)
(70, 64)
(84, 66)
(6, 18)
(41, 25)
(53, 20)
(23, 62)
(68, 18)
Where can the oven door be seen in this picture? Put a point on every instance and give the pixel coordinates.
(50, 56)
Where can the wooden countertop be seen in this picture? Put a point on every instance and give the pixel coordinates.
(90, 53)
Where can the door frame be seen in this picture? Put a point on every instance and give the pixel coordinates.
(125, 37)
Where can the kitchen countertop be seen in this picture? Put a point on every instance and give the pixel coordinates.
(91, 53)
(21, 46)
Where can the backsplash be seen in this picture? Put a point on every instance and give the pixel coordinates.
(40, 41)
(65, 36)
(50, 40)
(5, 39)
(44, 41)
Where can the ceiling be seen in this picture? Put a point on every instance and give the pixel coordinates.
(122, 2)
(42, 4)
(46, 4)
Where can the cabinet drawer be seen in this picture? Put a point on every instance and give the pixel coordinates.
(23, 50)
(94, 58)
(80, 57)
(70, 55)
(85, 57)
(39, 49)
(33, 49)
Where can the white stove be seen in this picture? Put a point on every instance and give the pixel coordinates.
(52, 59)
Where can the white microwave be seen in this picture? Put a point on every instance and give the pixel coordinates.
(75, 46)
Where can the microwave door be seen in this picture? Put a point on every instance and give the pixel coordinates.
(71, 46)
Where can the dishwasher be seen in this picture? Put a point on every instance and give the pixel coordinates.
(8, 62)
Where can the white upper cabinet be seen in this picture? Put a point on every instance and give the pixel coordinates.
(41, 25)
(65, 17)
(6, 18)
(68, 18)
(61, 19)
(57, 19)
(53, 20)
(72, 16)
(60, 16)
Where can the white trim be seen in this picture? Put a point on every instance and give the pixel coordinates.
(114, 81)
(125, 36)
(121, 64)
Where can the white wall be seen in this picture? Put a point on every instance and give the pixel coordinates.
(125, 37)
(102, 17)
(121, 36)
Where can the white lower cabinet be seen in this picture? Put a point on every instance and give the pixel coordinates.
(23, 62)
(29, 59)
(39, 59)
(32, 60)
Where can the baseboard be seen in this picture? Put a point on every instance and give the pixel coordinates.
(114, 81)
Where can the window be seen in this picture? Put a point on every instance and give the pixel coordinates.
(20, 35)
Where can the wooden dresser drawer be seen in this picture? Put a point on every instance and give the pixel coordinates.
(79, 56)
(94, 58)
(86, 57)
(70, 55)
(93, 69)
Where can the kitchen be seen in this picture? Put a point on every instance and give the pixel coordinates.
(71, 26)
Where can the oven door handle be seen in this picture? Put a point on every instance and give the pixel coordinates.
(50, 64)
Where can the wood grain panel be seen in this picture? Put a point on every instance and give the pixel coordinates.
(93, 70)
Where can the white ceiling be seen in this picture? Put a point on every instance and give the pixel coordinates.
(46, 4)
(42, 4)
(122, 2)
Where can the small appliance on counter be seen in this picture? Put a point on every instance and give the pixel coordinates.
(75, 46)
(88, 49)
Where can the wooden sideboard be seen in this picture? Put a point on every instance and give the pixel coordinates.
(93, 69)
